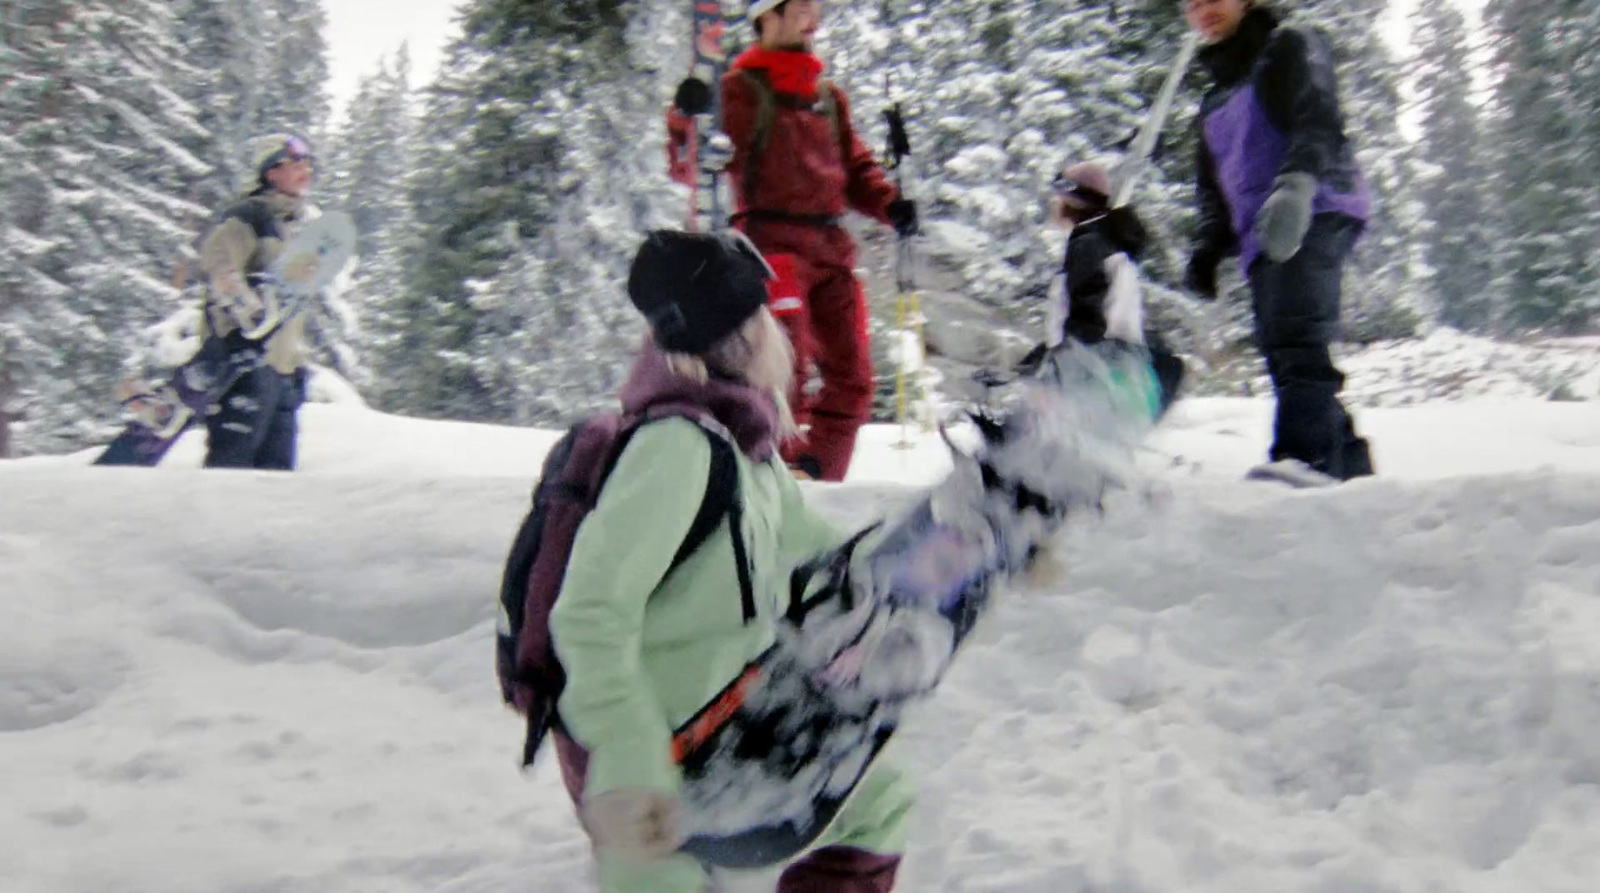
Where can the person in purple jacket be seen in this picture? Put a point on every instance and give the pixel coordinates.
(1279, 187)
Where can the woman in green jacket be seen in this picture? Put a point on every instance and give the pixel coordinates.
(643, 654)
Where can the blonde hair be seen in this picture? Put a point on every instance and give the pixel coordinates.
(757, 353)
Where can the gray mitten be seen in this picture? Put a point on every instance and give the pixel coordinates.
(1284, 219)
(637, 824)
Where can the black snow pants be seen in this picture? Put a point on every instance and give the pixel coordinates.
(1297, 318)
(256, 426)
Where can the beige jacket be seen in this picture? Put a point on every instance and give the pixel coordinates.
(233, 250)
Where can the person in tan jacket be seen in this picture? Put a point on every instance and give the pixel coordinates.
(256, 424)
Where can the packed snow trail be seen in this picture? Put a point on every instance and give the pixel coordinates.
(249, 682)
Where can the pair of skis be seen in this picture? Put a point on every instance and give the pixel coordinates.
(695, 118)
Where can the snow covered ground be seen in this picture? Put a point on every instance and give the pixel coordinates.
(1448, 365)
(219, 682)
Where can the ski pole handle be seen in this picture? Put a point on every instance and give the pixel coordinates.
(899, 141)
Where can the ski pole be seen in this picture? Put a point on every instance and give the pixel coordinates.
(1144, 146)
(905, 285)
(900, 366)
(1145, 143)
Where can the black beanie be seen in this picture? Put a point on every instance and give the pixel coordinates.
(696, 289)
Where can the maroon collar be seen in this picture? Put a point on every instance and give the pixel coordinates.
(749, 413)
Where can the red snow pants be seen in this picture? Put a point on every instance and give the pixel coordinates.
(828, 330)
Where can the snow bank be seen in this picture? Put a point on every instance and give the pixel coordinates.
(238, 682)
(1450, 365)
(1223, 437)
(1445, 366)
(339, 436)
(328, 386)
(1390, 687)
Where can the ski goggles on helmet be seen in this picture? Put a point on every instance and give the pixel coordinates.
(293, 149)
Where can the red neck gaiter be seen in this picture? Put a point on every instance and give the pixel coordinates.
(789, 71)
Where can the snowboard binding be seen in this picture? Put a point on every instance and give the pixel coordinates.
(158, 408)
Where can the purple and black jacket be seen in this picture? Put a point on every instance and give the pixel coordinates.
(1273, 109)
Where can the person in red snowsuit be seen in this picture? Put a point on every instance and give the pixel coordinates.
(811, 170)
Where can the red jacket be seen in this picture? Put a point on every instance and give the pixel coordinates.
(680, 128)
(803, 170)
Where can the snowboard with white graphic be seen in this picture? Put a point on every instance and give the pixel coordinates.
(874, 624)
(158, 412)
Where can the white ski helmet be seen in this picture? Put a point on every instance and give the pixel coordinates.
(266, 153)
(758, 8)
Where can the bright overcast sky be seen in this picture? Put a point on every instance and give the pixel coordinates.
(362, 31)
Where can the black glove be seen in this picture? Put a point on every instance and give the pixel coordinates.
(1127, 231)
(903, 215)
(1200, 279)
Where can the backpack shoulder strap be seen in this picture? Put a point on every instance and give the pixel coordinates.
(766, 106)
(722, 484)
(722, 497)
(766, 113)
(722, 501)
(830, 106)
(256, 214)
